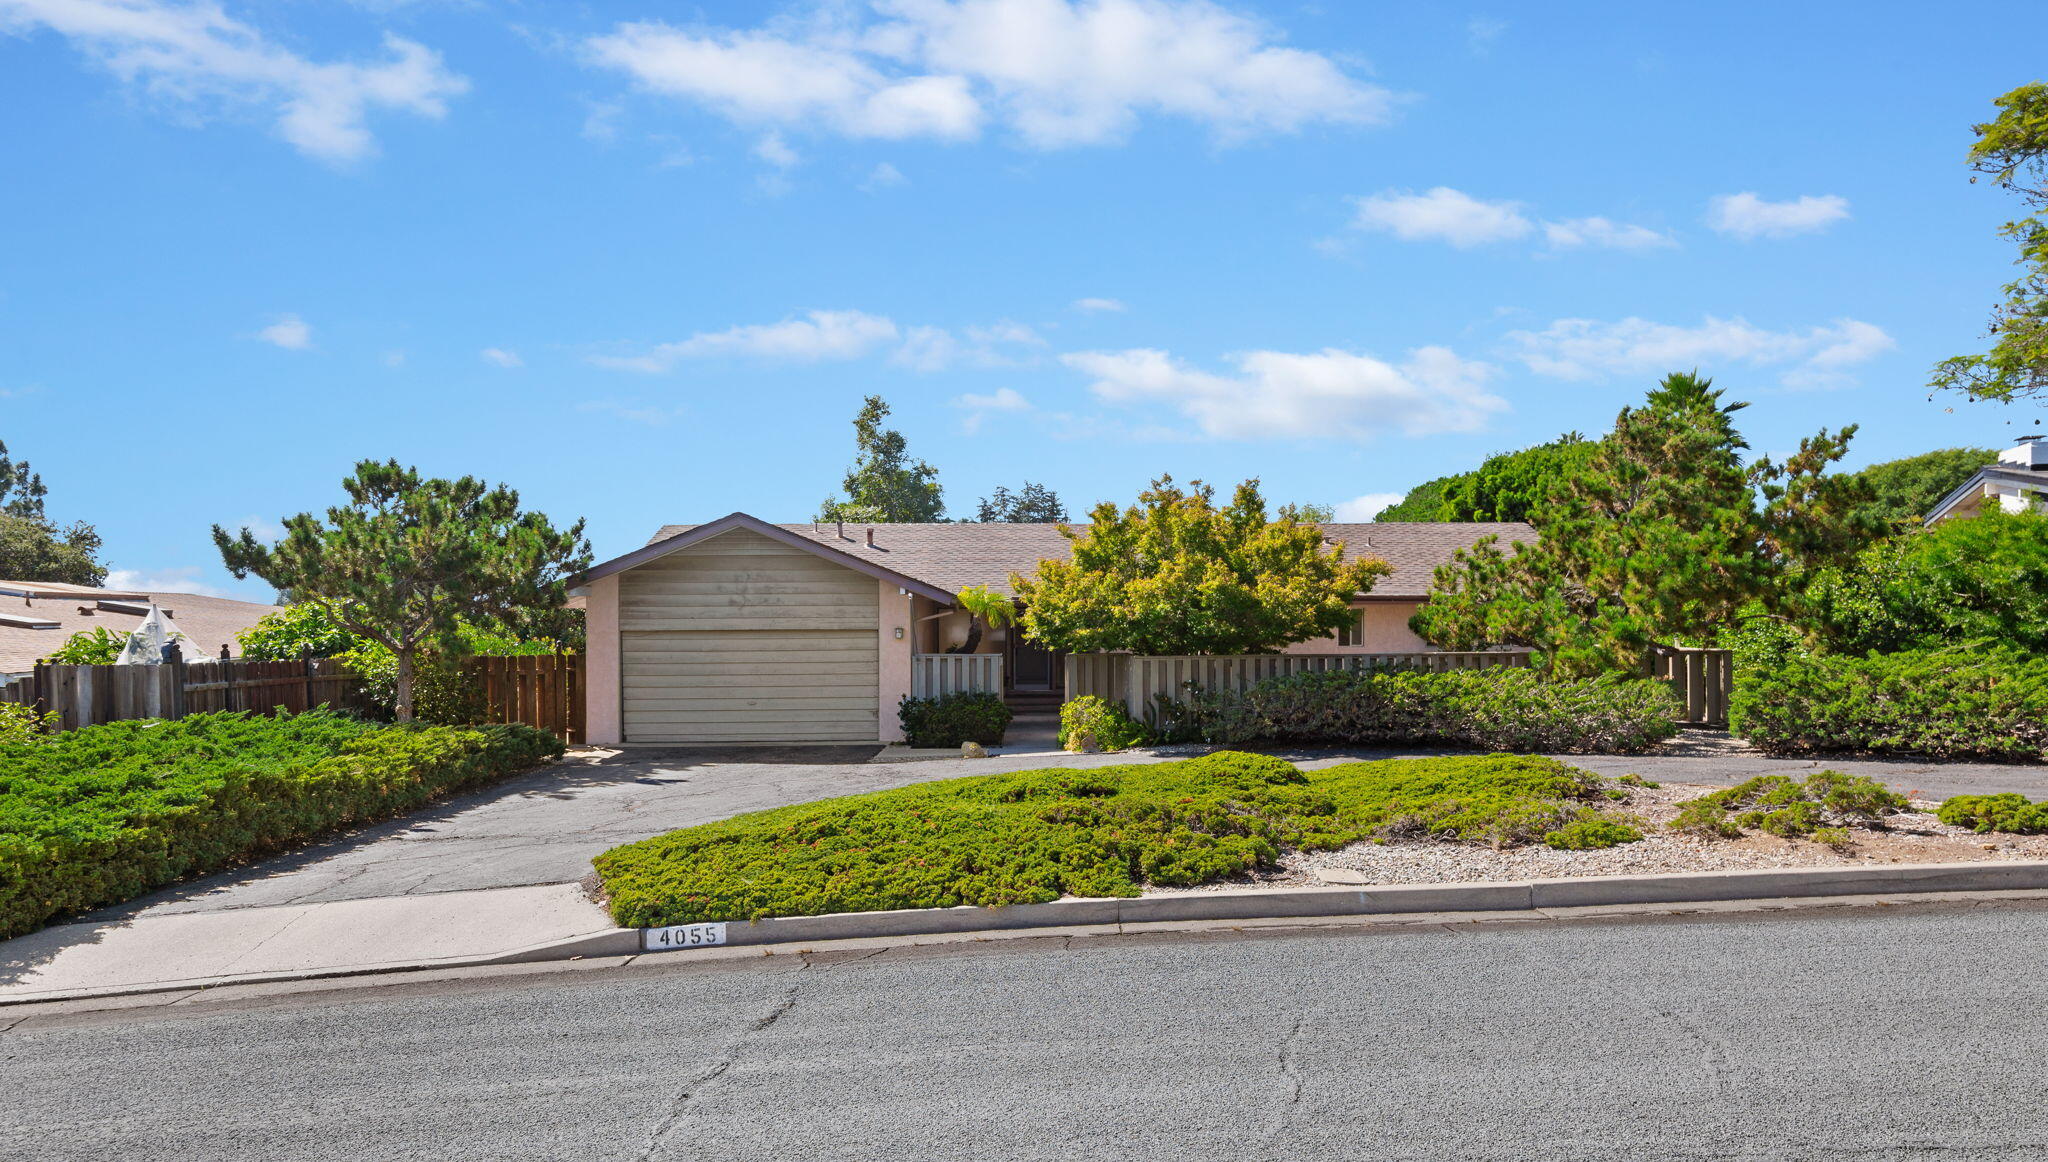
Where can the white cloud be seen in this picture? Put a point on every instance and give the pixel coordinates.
(978, 407)
(817, 337)
(1329, 394)
(289, 332)
(195, 55)
(927, 349)
(394, 359)
(1055, 72)
(601, 120)
(1443, 214)
(1006, 331)
(1482, 31)
(1603, 232)
(500, 357)
(1588, 349)
(1364, 508)
(1747, 216)
(775, 151)
(185, 580)
(884, 176)
(1099, 306)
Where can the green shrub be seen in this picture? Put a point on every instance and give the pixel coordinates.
(1035, 836)
(1592, 831)
(1986, 703)
(951, 719)
(2008, 812)
(1089, 723)
(93, 817)
(20, 723)
(1500, 708)
(98, 646)
(1788, 807)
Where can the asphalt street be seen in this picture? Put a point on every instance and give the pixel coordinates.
(1868, 1033)
(544, 827)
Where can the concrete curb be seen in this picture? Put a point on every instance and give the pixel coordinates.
(1521, 898)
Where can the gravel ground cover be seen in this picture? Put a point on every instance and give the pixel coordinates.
(1911, 837)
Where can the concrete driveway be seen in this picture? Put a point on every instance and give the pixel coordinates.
(544, 827)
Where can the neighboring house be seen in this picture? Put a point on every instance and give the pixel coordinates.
(2019, 481)
(37, 617)
(745, 631)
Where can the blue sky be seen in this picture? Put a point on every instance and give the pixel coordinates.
(642, 260)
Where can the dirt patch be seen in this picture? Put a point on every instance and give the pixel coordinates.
(1913, 837)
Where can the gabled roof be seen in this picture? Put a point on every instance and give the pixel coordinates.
(950, 557)
(2025, 478)
(683, 536)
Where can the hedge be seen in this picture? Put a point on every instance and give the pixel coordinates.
(1987, 703)
(1035, 836)
(951, 719)
(1500, 708)
(1092, 723)
(95, 816)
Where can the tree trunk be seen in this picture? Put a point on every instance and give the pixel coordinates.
(402, 696)
(973, 641)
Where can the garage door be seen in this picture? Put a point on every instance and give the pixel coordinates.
(749, 686)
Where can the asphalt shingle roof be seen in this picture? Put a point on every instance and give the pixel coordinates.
(210, 621)
(954, 556)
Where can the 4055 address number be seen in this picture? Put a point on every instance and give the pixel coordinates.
(682, 936)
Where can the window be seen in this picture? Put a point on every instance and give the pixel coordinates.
(1353, 634)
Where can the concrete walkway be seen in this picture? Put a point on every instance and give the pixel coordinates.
(436, 884)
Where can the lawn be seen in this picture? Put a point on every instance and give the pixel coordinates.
(1035, 836)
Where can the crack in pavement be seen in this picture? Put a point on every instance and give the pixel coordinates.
(679, 1109)
(1713, 1054)
(1290, 1073)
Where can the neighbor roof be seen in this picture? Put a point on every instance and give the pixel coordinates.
(952, 557)
(2027, 479)
(27, 609)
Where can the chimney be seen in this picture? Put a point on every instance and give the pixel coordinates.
(871, 538)
(2031, 452)
(839, 529)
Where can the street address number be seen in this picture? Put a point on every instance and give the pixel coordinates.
(683, 936)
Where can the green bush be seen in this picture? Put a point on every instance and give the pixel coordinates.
(951, 719)
(1788, 807)
(1089, 723)
(2008, 812)
(1035, 836)
(20, 723)
(95, 816)
(1983, 703)
(1501, 708)
(1591, 832)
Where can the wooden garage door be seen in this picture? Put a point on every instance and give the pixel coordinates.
(742, 638)
(749, 686)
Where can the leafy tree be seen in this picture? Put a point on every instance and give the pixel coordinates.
(410, 561)
(884, 484)
(1907, 490)
(34, 549)
(1174, 574)
(1031, 504)
(1424, 502)
(21, 489)
(984, 606)
(1660, 539)
(2012, 150)
(1963, 582)
(1309, 513)
(1507, 487)
(98, 646)
(302, 629)
(1512, 485)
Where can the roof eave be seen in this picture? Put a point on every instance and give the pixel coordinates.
(740, 520)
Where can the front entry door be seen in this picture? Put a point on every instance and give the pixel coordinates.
(1033, 668)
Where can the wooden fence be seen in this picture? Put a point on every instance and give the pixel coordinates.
(933, 675)
(1702, 679)
(1136, 680)
(544, 691)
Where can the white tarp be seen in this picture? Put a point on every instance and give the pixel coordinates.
(146, 644)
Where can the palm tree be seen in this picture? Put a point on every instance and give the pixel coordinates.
(983, 606)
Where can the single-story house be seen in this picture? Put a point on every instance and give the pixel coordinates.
(37, 617)
(2016, 483)
(744, 631)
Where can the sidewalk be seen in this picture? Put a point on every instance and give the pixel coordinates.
(294, 940)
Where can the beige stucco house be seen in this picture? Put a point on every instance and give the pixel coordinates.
(2016, 483)
(741, 631)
